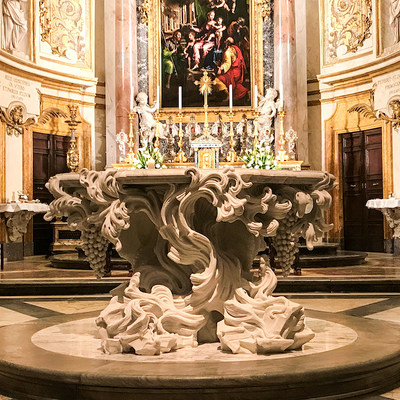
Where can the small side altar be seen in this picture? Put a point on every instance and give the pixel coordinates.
(390, 208)
(191, 236)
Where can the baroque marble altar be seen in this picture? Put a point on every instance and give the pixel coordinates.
(191, 236)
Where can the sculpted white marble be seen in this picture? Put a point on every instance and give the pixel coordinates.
(390, 208)
(15, 23)
(191, 236)
(147, 122)
(18, 215)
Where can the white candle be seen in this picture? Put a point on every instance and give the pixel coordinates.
(230, 97)
(132, 97)
(281, 104)
(255, 96)
(158, 97)
(180, 97)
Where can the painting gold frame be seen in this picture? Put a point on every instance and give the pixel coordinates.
(154, 60)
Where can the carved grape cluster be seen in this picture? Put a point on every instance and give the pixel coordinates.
(95, 247)
(285, 243)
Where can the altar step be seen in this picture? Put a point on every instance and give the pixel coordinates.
(291, 284)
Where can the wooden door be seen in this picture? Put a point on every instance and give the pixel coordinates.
(49, 158)
(362, 180)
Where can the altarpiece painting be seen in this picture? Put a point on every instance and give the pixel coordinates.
(189, 37)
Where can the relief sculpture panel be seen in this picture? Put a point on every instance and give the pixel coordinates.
(15, 21)
(348, 28)
(65, 27)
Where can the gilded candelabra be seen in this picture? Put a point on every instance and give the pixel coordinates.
(130, 158)
(73, 153)
(282, 156)
(180, 157)
(232, 156)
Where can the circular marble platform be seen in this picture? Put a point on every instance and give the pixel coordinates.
(59, 358)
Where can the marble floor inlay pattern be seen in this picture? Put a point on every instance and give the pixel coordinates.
(80, 338)
(17, 310)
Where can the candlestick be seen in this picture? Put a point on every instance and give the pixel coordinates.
(130, 158)
(255, 96)
(230, 97)
(73, 154)
(180, 157)
(232, 156)
(282, 156)
(180, 97)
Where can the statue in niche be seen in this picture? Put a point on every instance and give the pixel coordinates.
(147, 123)
(395, 18)
(15, 24)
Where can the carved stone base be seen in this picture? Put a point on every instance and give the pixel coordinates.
(191, 237)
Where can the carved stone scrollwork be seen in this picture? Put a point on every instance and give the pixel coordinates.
(15, 117)
(17, 223)
(393, 218)
(350, 26)
(191, 240)
(368, 111)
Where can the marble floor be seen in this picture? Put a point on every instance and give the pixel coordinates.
(39, 268)
(378, 306)
(383, 307)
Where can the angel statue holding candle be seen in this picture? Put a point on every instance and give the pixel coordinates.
(147, 123)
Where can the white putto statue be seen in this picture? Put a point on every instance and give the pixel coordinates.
(267, 108)
(147, 123)
(15, 23)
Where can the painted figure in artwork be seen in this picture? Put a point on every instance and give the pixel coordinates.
(15, 24)
(196, 36)
(231, 71)
(395, 18)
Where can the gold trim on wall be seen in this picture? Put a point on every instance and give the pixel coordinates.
(324, 41)
(344, 122)
(154, 54)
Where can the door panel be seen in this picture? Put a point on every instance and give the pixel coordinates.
(49, 158)
(362, 180)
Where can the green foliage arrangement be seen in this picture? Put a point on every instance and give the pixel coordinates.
(146, 155)
(260, 157)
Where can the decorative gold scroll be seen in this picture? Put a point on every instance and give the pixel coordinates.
(65, 25)
(350, 25)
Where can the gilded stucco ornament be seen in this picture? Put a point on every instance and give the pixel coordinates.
(368, 111)
(15, 117)
(145, 10)
(350, 25)
(64, 27)
(264, 7)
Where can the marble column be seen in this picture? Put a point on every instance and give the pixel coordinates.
(125, 62)
(285, 68)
